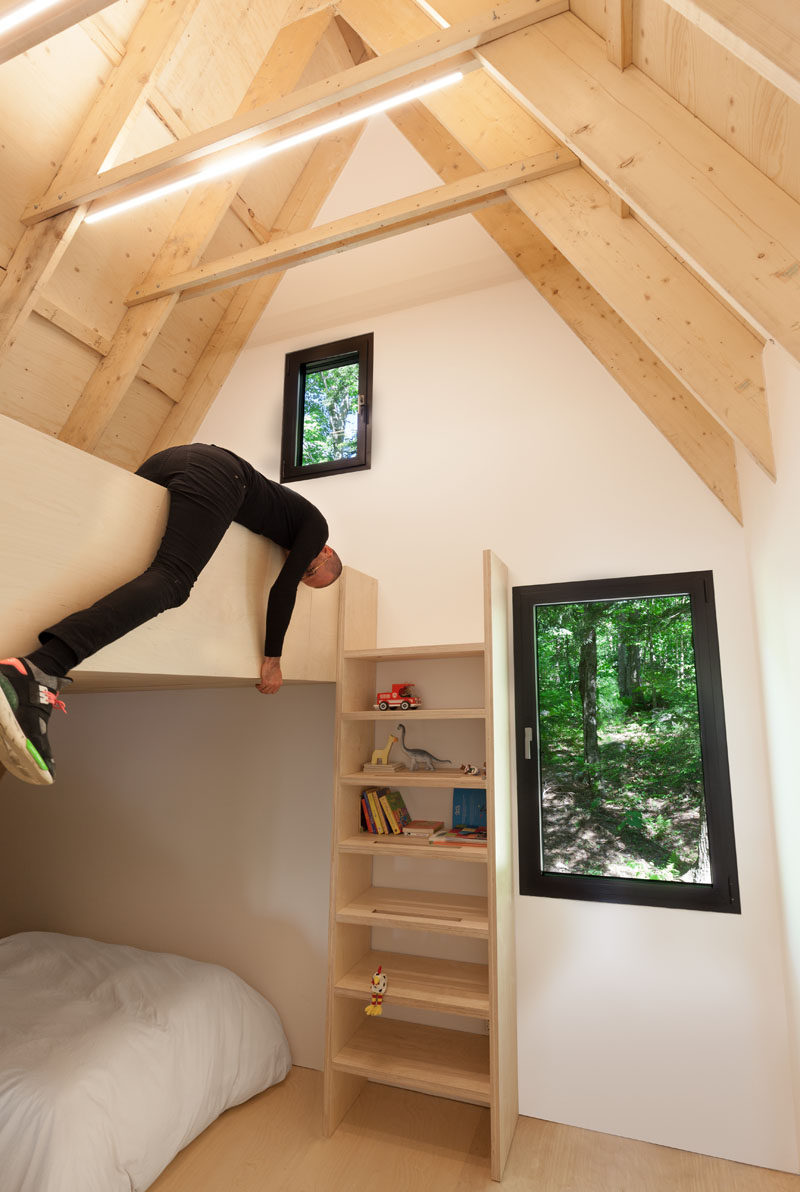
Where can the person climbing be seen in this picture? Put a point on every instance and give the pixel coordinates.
(209, 487)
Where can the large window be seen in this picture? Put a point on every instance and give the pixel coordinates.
(623, 784)
(326, 409)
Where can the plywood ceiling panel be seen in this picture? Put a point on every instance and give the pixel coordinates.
(44, 365)
(44, 96)
(134, 426)
(739, 105)
(223, 47)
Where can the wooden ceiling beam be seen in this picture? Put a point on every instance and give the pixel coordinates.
(250, 300)
(40, 249)
(726, 219)
(684, 324)
(765, 36)
(705, 446)
(23, 35)
(281, 70)
(370, 82)
(378, 223)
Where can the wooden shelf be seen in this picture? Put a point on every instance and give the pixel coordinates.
(415, 653)
(407, 846)
(424, 1058)
(419, 910)
(422, 778)
(418, 714)
(430, 1059)
(425, 982)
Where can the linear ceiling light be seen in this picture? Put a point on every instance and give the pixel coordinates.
(25, 12)
(231, 164)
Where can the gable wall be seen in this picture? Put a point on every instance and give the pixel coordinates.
(493, 427)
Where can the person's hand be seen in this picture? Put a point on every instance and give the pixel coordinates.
(271, 677)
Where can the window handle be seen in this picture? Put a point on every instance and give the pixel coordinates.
(528, 739)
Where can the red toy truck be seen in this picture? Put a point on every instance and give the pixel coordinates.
(401, 696)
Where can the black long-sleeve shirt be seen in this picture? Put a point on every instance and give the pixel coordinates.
(286, 518)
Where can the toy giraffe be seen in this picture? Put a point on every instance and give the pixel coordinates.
(380, 757)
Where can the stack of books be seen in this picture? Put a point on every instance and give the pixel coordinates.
(460, 834)
(383, 811)
(423, 829)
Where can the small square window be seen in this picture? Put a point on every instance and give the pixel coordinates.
(622, 765)
(327, 405)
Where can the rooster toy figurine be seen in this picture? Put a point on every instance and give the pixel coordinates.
(378, 988)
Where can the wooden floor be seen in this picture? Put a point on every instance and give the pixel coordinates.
(395, 1141)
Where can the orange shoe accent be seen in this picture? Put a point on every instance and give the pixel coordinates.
(14, 662)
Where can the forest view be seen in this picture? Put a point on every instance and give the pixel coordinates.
(619, 742)
(330, 413)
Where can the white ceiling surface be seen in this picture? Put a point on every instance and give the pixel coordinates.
(452, 257)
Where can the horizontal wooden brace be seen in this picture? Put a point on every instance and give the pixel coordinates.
(377, 223)
(370, 82)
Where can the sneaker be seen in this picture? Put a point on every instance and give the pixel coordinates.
(27, 697)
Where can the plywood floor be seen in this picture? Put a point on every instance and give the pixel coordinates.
(395, 1141)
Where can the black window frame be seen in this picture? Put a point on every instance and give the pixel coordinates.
(341, 351)
(723, 893)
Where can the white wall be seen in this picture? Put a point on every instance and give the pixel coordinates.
(492, 426)
(772, 525)
(195, 822)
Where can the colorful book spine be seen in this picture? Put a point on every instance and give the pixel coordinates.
(389, 814)
(366, 811)
(377, 814)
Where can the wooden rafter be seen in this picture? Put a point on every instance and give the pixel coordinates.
(419, 210)
(33, 30)
(708, 348)
(372, 81)
(188, 239)
(730, 223)
(40, 249)
(695, 435)
(250, 300)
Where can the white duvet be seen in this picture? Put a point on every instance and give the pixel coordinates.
(112, 1059)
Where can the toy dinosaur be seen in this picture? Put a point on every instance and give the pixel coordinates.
(418, 757)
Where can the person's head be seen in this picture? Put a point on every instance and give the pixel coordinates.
(324, 569)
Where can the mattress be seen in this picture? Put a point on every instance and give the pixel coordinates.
(112, 1059)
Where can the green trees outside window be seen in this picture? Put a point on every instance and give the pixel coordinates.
(623, 780)
(327, 409)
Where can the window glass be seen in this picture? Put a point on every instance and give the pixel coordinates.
(623, 784)
(327, 409)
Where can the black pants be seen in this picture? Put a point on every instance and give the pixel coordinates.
(206, 491)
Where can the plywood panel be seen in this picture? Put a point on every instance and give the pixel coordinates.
(592, 12)
(44, 371)
(44, 96)
(209, 74)
(134, 425)
(122, 16)
(104, 258)
(182, 341)
(93, 527)
(739, 105)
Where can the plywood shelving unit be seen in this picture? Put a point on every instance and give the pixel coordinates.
(464, 1064)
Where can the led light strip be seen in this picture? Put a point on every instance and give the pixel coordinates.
(242, 161)
(18, 16)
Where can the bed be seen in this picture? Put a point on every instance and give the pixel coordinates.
(112, 1059)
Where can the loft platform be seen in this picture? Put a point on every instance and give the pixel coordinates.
(75, 527)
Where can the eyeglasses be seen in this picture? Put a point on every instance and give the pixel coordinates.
(313, 570)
